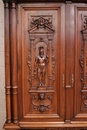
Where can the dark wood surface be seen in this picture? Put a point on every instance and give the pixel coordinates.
(47, 1)
(46, 66)
(73, 1)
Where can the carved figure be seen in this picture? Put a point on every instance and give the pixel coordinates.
(41, 62)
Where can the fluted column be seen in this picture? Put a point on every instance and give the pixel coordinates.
(7, 63)
(13, 39)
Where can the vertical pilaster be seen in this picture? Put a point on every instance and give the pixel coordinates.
(13, 39)
(50, 58)
(7, 62)
(50, 61)
(32, 55)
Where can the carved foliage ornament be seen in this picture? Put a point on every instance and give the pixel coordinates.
(41, 22)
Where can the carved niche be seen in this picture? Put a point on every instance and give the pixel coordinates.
(41, 62)
(83, 63)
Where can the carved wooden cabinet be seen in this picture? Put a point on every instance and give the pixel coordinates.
(46, 65)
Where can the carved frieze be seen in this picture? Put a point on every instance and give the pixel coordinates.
(41, 62)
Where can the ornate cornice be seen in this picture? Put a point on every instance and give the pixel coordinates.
(10, 1)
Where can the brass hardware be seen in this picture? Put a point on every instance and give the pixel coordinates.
(68, 86)
(72, 80)
(63, 80)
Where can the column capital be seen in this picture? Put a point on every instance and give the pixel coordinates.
(6, 5)
(13, 4)
(6, 1)
(10, 1)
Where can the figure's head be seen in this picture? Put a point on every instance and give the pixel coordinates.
(42, 96)
(41, 51)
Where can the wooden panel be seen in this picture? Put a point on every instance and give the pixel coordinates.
(27, 14)
(80, 110)
(69, 20)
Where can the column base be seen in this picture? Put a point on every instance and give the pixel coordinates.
(11, 126)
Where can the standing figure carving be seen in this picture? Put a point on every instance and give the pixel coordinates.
(41, 62)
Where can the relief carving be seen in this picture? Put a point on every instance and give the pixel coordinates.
(41, 63)
(41, 22)
(41, 102)
(84, 98)
(84, 21)
(83, 63)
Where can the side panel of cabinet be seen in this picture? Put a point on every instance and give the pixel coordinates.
(80, 88)
(41, 29)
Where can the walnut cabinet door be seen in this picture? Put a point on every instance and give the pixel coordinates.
(41, 63)
(76, 63)
(52, 64)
